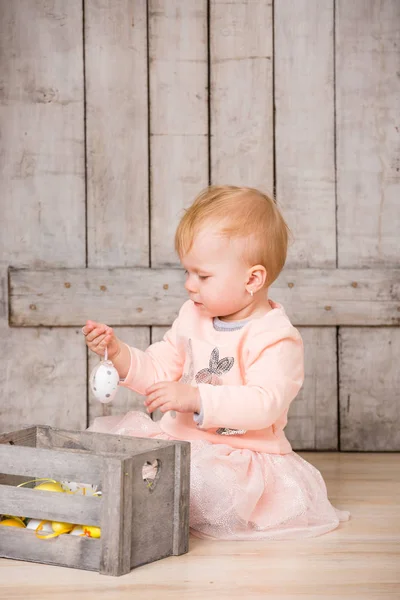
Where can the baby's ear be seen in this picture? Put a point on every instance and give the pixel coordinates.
(257, 278)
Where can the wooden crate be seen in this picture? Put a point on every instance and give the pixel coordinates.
(138, 524)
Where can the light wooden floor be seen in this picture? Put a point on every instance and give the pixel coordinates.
(359, 560)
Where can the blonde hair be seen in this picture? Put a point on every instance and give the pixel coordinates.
(239, 212)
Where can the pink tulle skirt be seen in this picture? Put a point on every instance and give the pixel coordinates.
(242, 494)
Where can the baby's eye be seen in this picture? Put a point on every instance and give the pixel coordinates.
(203, 277)
(186, 272)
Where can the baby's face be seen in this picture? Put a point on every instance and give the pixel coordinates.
(216, 274)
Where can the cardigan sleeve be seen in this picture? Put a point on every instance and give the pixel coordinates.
(162, 361)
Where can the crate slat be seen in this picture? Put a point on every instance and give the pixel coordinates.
(21, 437)
(49, 437)
(181, 499)
(68, 465)
(65, 550)
(52, 506)
(153, 507)
(116, 518)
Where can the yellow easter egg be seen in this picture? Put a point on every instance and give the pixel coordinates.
(12, 523)
(50, 487)
(59, 527)
(91, 531)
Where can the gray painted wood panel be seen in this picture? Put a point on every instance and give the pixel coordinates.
(117, 132)
(368, 151)
(368, 184)
(305, 191)
(117, 144)
(179, 116)
(241, 102)
(44, 379)
(313, 415)
(304, 130)
(42, 203)
(154, 296)
(42, 178)
(44, 374)
(369, 389)
(157, 333)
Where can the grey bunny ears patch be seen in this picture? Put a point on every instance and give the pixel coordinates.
(216, 367)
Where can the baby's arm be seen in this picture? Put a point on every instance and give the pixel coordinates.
(273, 379)
(162, 361)
(138, 370)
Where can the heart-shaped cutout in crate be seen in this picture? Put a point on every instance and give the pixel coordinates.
(151, 473)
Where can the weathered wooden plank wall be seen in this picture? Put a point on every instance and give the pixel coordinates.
(117, 158)
(368, 186)
(241, 93)
(42, 201)
(305, 188)
(178, 116)
(116, 113)
(322, 297)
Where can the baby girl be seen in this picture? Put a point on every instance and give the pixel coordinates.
(225, 375)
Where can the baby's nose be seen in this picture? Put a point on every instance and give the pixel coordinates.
(190, 285)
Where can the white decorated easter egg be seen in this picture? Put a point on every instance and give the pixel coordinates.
(104, 381)
(34, 524)
(85, 489)
(77, 530)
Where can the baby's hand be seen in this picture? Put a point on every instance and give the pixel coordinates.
(99, 336)
(172, 395)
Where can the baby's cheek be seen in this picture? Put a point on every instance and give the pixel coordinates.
(218, 291)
